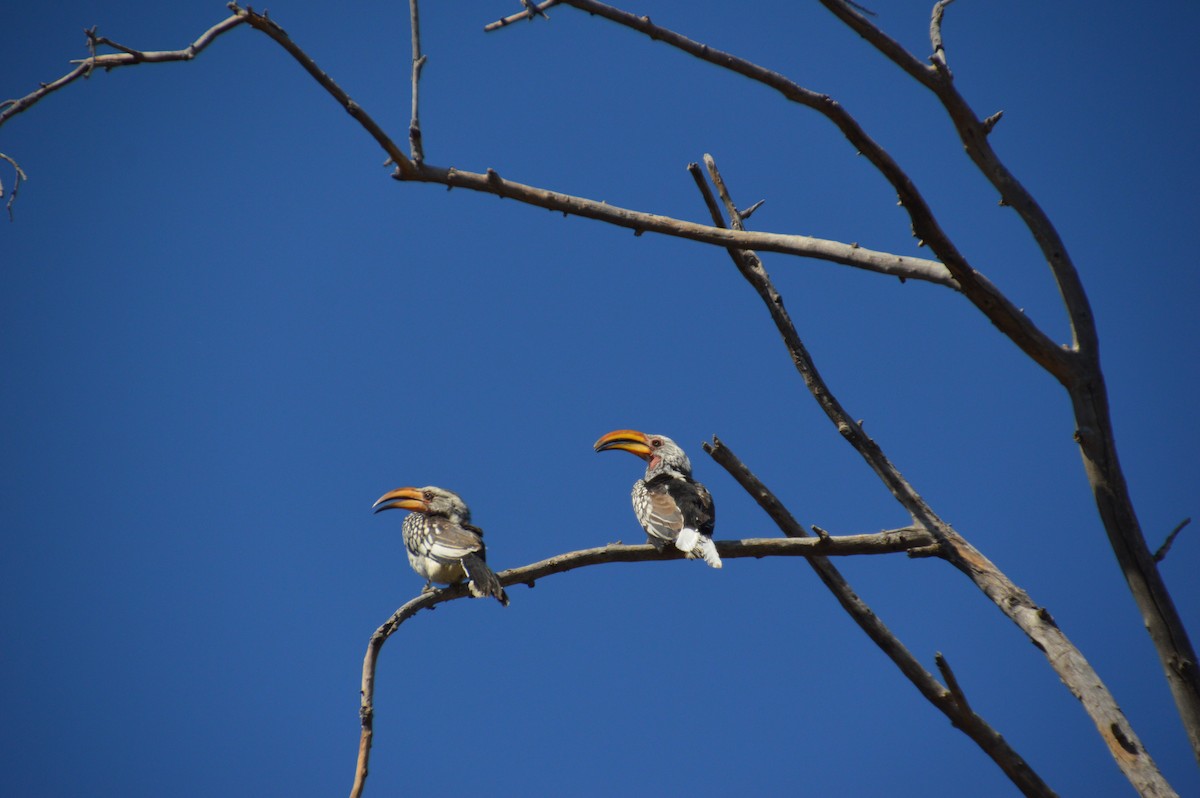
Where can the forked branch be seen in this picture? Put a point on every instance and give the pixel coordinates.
(1066, 660)
(886, 542)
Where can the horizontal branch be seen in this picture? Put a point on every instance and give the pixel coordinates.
(886, 542)
(640, 222)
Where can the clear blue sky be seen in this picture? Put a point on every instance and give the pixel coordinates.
(224, 331)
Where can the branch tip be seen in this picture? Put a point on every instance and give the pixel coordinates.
(1162, 550)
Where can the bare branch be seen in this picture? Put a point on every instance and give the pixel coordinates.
(1082, 377)
(1163, 549)
(886, 542)
(952, 682)
(19, 177)
(418, 61)
(261, 22)
(900, 266)
(978, 289)
(114, 60)
(531, 10)
(641, 222)
(1070, 665)
(935, 35)
(990, 741)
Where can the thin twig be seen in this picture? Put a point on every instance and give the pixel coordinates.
(886, 542)
(935, 36)
(1163, 549)
(1009, 318)
(1066, 660)
(418, 61)
(19, 177)
(531, 10)
(903, 267)
(113, 60)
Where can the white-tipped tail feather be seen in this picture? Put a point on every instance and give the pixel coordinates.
(693, 544)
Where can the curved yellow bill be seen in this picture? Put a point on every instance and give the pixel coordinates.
(402, 499)
(628, 440)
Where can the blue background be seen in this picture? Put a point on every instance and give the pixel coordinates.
(224, 332)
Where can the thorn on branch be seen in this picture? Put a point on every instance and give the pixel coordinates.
(952, 684)
(1162, 550)
(860, 8)
(819, 532)
(746, 213)
(991, 121)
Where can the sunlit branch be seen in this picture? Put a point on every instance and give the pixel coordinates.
(415, 147)
(531, 10)
(1066, 660)
(978, 289)
(1083, 379)
(108, 61)
(886, 542)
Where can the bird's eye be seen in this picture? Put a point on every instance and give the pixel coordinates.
(656, 442)
(428, 495)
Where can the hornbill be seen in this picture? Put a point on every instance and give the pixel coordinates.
(670, 505)
(442, 544)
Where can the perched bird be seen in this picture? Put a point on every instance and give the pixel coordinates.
(670, 505)
(442, 544)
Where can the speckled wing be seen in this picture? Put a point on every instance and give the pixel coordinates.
(656, 510)
(450, 542)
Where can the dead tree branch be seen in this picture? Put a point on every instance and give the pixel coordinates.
(1083, 378)
(978, 289)
(946, 701)
(18, 178)
(418, 61)
(1066, 660)
(531, 10)
(1161, 554)
(109, 61)
(886, 542)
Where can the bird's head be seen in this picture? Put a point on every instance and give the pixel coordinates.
(660, 452)
(429, 500)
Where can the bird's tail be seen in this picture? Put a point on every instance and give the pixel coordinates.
(693, 544)
(482, 580)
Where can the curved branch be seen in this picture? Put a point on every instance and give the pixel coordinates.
(998, 309)
(886, 542)
(109, 61)
(901, 266)
(1084, 381)
(1037, 624)
(948, 700)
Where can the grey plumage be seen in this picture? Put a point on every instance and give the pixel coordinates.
(670, 505)
(442, 544)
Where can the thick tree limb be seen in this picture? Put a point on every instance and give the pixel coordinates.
(886, 542)
(945, 700)
(978, 289)
(1083, 379)
(408, 169)
(1066, 660)
(951, 702)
